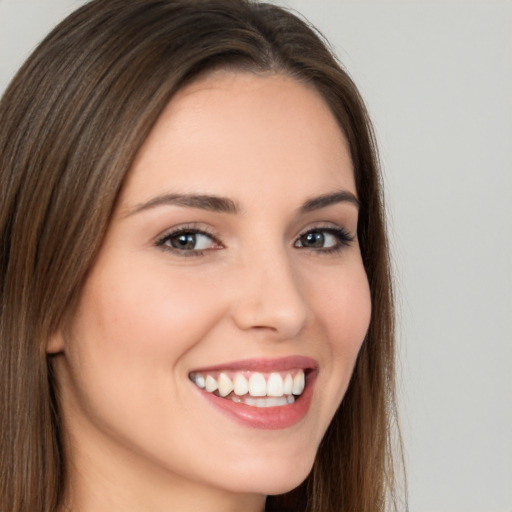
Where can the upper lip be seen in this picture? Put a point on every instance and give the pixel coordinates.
(263, 365)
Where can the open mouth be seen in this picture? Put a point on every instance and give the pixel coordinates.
(256, 389)
(260, 393)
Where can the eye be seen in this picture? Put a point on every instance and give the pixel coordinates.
(324, 239)
(191, 241)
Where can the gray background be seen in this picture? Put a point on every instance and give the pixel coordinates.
(437, 78)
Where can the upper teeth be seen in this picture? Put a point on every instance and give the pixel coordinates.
(256, 384)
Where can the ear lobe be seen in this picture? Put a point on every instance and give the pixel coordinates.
(55, 343)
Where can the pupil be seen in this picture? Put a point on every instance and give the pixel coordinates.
(315, 239)
(185, 241)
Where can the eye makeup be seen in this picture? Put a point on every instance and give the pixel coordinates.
(324, 239)
(191, 240)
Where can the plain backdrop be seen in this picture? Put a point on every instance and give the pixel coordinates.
(437, 79)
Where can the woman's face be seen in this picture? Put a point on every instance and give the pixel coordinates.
(232, 260)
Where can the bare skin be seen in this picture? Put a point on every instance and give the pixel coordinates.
(268, 274)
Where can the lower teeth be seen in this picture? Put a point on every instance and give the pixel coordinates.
(263, 402)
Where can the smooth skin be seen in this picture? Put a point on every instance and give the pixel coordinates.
(178, 287)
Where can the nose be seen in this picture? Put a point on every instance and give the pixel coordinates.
(270, 297)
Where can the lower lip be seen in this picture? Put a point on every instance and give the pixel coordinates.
(271, 418)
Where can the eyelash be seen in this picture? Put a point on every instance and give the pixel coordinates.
(186, 230)
(343, 239)
(342, 236)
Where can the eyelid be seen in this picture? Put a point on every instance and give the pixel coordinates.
(342, 234)
(193, 228)
(329, 227)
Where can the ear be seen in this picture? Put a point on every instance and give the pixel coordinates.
(55, 343)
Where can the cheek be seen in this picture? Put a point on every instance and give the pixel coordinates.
(125, 350)
(129, 336)
(149, 314)
(343, 308)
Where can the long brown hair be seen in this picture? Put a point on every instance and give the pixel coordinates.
(71, 123)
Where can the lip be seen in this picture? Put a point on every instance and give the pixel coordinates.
(271, 418)
(263, 365)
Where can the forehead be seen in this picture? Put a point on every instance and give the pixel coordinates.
(241, 133)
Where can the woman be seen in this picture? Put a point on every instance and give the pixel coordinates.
(196, 302)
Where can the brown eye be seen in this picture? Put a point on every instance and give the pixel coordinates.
(188, 241)
(185, 241)
(313, 239)
(325, 239)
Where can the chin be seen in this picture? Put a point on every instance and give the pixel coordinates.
(271, 477)
(283, 485)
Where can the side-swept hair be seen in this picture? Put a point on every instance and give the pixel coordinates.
(71, 123)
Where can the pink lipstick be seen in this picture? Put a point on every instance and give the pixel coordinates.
(260, 393)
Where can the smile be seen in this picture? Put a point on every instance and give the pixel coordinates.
(260, 393)
(255, 389)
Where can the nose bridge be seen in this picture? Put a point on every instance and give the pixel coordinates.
(270, 294)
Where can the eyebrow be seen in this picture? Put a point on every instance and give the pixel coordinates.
(201, 201)
(225, 205)
(341, 196)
